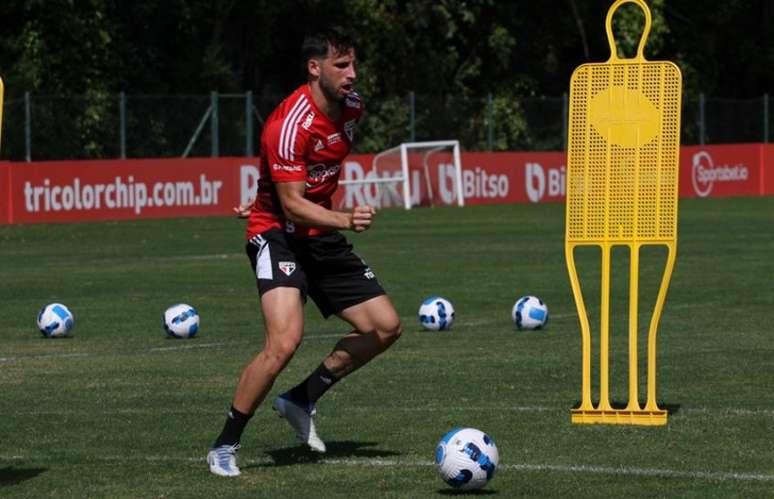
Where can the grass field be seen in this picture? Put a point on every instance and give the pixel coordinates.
(118, 410)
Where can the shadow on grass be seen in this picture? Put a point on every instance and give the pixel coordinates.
(301, 454)
(11, 476)
(477, 492)
(671, 409)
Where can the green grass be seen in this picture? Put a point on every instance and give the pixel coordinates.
(118, 410)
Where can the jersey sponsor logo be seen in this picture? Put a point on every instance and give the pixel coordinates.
(286, 168)
(287, 268)
(352, 101)
(349, 129)
(308, 120)
(334, 138)
(319, 145)
(319, 172)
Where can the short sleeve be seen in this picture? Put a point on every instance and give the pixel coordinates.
(285, 146)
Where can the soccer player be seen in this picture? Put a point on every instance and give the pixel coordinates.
(296, 249)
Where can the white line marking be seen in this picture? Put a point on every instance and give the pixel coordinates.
(521, 467)
(163, 411)
(213, 256)
(561, 410)
(476, 408)
(46, 356)
(714, 412)
(651, 472)
(231, 343)
(188, 347)
(681, 306)
(728, 411)
(155, 349)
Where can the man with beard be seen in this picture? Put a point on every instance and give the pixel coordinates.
(295, 249)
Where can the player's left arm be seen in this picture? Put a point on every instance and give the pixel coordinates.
(301, 211)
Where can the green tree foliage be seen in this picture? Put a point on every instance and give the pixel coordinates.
(464, 47)
(450, 53)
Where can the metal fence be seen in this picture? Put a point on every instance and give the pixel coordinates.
(44, 127)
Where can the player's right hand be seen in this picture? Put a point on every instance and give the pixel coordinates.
(362, 216)
(243, 210)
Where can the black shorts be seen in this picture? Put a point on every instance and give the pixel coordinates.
(324, 267)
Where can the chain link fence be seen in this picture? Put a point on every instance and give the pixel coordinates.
(45, 127)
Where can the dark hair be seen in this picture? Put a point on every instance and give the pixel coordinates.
(316, 44)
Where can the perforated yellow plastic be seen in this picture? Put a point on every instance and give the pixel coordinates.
(622, 173)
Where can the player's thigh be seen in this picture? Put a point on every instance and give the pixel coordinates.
(283, 317)
(374, 314)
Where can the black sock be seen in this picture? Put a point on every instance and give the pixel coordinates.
(232, 430)
(312, 388)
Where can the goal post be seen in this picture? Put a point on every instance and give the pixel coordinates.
(414, 174)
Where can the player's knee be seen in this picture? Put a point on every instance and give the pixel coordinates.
(285, 349)
(391, 331)
(279, 353)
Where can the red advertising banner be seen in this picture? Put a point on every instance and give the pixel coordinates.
(487, 178)
(767, 169)
(70, 191)
(721, 170)
(67, 191)
(5, 193)
(513, 177)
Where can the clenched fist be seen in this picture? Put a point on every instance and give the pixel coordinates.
(362, 216)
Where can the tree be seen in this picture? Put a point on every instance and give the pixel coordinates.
(450, 53)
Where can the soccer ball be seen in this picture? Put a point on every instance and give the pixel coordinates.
(466, 458)
(436, 314)
(181, 321)
(529, 312)
(55, 320)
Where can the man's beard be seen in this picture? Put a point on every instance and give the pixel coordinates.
(329, 90)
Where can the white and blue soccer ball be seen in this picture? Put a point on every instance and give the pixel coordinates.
(436, 314)
(466, 458)
(55, 320)
(529, 312)
(181, 321)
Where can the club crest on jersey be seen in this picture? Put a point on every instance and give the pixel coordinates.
(287, 268)
(308, 121)
(352, 101)
(349, 129)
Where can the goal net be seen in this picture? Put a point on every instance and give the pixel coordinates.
(415, 174)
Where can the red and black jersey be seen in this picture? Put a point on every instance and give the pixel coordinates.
(300, 144)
